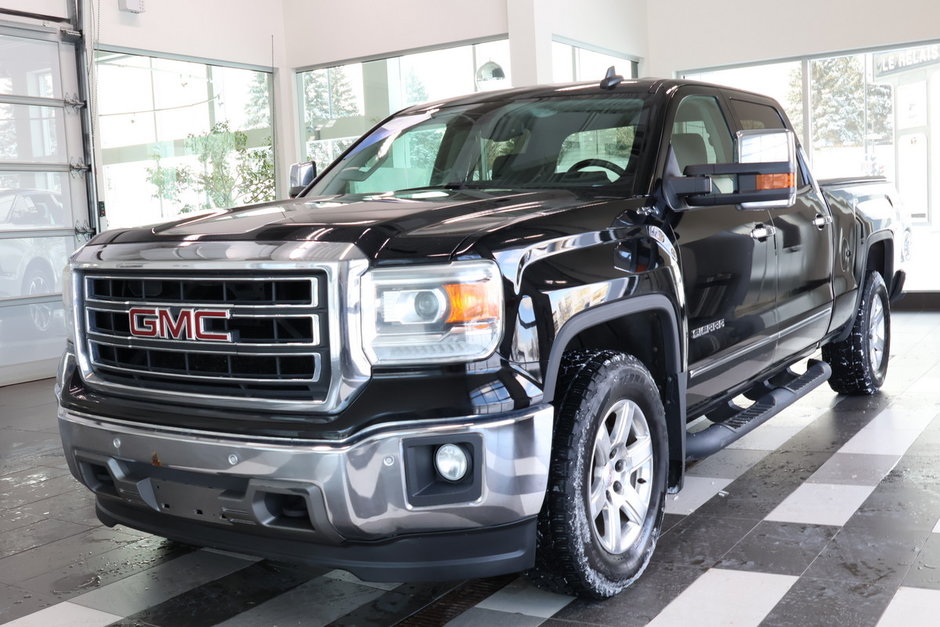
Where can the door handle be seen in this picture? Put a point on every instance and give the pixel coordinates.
(762, 232)
(821, 221)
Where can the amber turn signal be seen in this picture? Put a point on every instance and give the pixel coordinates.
(471, 302)
(775, 181)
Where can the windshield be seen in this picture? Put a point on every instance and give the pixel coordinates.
(572, 141)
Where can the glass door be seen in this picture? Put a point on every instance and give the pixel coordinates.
(43, 194)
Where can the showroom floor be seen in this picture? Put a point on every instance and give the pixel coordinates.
(827, 515)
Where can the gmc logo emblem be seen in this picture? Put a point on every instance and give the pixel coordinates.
(189, 324)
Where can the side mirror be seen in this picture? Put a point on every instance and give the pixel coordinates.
(301, 175)
(764, 176)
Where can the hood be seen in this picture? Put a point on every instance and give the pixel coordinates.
(430, 223)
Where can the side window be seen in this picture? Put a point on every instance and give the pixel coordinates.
(700, 134)
(753, 116)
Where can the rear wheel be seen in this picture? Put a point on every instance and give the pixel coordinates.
(860, 362)
(606, 495)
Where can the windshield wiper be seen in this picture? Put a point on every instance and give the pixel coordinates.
(448, 186)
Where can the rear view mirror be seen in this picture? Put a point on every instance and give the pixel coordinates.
(301, 175)
(773, 152)
(764, 176)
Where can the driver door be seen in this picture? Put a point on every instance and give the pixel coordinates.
(727, 258)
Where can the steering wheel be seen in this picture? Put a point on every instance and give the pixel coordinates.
(601, 163)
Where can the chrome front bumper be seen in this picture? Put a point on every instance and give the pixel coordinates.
(352, 490)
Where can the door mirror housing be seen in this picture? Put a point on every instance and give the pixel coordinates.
(763, 176)
(301, 175)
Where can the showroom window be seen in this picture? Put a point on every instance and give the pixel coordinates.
(341, 103)
(873, 113)
(571, 62)
(179, 137)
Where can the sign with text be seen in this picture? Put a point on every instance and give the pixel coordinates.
(887, 63)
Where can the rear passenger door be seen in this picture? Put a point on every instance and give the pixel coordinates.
(803, 241)
(727, 259)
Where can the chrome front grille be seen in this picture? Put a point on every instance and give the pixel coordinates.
(262, 336)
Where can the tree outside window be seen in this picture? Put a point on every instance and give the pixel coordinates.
(179, 136)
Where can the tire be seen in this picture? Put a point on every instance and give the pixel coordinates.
(593, 482)
(860, 362)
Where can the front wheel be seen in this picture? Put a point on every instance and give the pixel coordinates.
(860, 362)
(607, 485)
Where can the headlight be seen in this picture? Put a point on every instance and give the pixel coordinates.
(432, 314)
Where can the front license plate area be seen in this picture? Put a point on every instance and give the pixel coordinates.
(188, 501)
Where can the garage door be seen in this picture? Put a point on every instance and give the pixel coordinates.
(43, 189)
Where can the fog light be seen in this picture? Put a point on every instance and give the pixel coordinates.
(451, 462)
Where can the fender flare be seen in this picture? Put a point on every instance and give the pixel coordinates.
(676, 377)
(873, 238)
(612, 311)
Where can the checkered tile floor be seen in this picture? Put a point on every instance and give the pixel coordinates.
(827, 515)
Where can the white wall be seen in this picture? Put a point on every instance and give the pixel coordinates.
(613, 25)
(617, 25)
(227, 30)
(716, 33)
(326, 31)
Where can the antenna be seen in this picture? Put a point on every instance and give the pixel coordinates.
(611, 79)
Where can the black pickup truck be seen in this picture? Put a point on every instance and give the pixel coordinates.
(473, 344)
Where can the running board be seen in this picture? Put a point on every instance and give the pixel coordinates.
(733, 422)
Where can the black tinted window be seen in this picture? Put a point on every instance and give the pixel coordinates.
(757, 116)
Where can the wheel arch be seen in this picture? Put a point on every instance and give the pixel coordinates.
(626, 326)
(877, 256)
(880, 257)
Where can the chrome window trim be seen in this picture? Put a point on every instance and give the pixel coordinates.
(343, 265)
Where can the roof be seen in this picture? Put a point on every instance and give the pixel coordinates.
(650, 85)
(539, 91)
